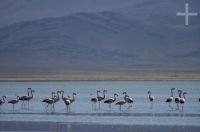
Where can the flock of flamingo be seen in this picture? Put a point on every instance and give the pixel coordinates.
(180, 99)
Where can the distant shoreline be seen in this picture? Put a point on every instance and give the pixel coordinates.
(106, 76)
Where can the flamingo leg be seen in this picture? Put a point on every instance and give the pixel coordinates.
(177, 106)
(95, 106)
(109, 106)
(28, 104)
(99, 104)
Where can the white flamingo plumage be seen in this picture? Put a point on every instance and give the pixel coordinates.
(170, 99)
(14, 101)
(111, 100)
(100, 98)
(2, 101)
(94, 101)
(128, 99)
(182, 100)
(177, 99)
(151, 98)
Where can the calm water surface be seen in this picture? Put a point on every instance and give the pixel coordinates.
(82, 112)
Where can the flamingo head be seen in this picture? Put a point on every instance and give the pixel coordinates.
(149, 92)
(98, 91)
(124, 93)
(104, 91)
(172, 88)
(184, 92)
(179, 91)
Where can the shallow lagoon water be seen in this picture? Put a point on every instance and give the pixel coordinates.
(81, 111)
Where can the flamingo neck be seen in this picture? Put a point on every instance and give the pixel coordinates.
(104, 94)
(97, 93)
(52, 95)
(57, 95)
(171, 93)
(114, 97)
(4, 99)
(125, 97)
(184, 96)
(149, 94)
(180, 94)
(28, 91)
(62, 94)
(31, 94)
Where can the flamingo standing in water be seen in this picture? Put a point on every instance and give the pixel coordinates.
(72, 99)
(67, 103)
(121, 102)
(30, 97)
(57, 98)
(111, 100)
(100, 98)
(170, 99)
(50, 101)
(24, 97)
(14, 101)
(128, 99)
(177, 99)
(2, 101)
(94, 101)
(182, 100)
(68, 100)
(151, 98)
(63, 98)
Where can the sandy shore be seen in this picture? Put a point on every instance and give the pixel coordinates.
(105, 76)
(78, 127)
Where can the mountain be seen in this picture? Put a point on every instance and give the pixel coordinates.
(13, 11)
(122, 39)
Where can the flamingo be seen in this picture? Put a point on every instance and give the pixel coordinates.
(72, 99)
(170, 99)
(2, 101)
(14, 101)
(94, 101)
(121, 102)
(30, 97)
(63, 98)
(67, 103)
(57, 98)
(128, 99)
(67, 100)
(151, 98)
(50, 101)
(182, 100)
(177, 99)
(100, 98)
(111, 100)
(25, 97)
